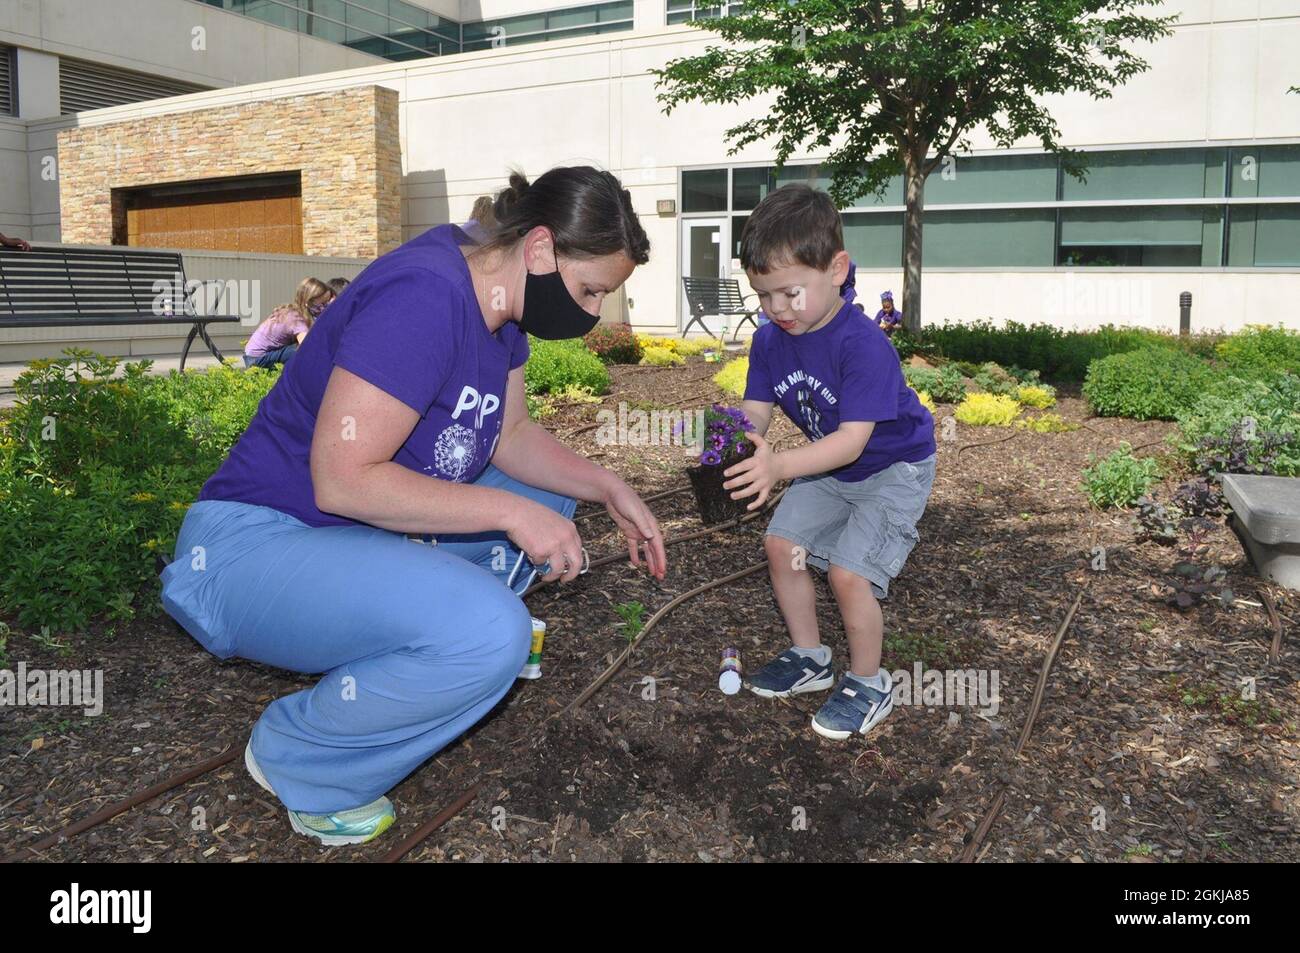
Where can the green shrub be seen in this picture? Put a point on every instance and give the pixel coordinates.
(554, 365)
(613, 344)
(1249, 410)
(1056, 353)
(1261, 351)
(1118, 480)
(96, 473)
(1150, 384)
(992, 379)
(944, 385)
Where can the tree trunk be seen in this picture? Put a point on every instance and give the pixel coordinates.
(913, 219)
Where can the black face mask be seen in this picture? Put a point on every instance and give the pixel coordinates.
(550, 312)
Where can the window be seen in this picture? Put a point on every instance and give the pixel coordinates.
(965, 179)
(1163, 236)
(1264, 236)
(679, 11)
(989, 238)
(704, 191)
(8, 101)
(1266, 171)
(550, 25)
(1148, 174)
(874, 240)
(1246, 210)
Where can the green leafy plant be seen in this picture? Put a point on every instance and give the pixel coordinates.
(1119, 479)
(944, 384)
(554, 365)
(98, 462)
(1150, 384)
(631, 613)
(1261, 351)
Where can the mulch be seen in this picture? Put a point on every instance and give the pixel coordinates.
(1140, 751)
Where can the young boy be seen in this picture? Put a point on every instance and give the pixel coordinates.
(859, 487)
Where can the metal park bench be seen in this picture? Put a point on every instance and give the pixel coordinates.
(66, 286)
(720, 297)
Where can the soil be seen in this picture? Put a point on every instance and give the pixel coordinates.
(1143, 750)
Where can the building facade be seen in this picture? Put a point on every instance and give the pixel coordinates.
(343, 127)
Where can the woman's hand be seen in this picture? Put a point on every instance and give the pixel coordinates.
(758, 474)
(639, 526)
(544, 536)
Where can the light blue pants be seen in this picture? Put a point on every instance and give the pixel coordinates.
(418, 641)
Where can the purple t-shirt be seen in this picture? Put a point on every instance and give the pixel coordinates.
(889, 317)
(845, 370)
(411, 325)
(281, 327)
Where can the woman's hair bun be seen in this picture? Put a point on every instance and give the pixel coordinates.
(509, 197)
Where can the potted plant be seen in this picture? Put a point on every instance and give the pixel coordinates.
(723, 445)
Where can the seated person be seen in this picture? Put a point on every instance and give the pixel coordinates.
(337, 285)
(277, 338)
(481, 220)
(888, 317)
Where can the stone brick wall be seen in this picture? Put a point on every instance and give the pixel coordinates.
(343, 143)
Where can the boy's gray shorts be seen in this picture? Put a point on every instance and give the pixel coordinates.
(868, 527)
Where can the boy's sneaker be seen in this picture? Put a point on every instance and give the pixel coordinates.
(853, 707)
(354, 826)
(790, 674)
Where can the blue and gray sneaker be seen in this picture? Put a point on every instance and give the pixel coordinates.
(790, 674)
(853, 707)
(354, 826)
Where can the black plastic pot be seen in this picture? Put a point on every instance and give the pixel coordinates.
(714, 502)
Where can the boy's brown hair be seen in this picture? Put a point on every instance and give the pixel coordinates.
(795, 224)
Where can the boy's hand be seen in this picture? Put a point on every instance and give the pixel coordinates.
(758, 474)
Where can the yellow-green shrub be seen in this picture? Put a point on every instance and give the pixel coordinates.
(987, 410)
(1046, 423)
(1038, 397)
(660, 357)
(926, 401)
(732, 376)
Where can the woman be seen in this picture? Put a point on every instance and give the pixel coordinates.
(297, 552)
(277, 338)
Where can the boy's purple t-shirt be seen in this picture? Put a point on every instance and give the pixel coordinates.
(411, 325)
(845, 370)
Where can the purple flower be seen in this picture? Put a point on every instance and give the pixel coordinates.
(742, 447)
(710, 458)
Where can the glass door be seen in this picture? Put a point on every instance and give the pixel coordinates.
(703, 245)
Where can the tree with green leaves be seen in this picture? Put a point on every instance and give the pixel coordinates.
(893, 87)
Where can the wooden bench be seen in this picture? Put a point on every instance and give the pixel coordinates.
(1266, 517)
(720, 297)
(63, 286)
